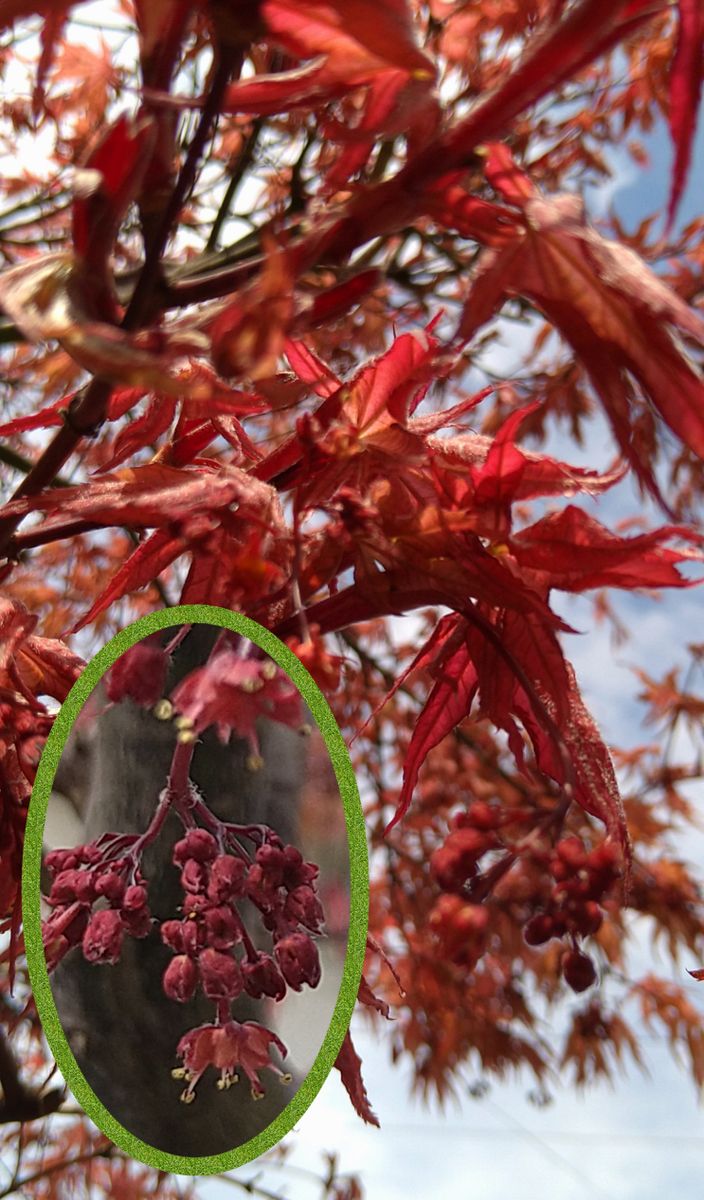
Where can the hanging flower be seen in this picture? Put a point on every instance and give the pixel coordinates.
(228, 1047)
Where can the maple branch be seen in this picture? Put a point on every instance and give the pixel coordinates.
(106, 1151)
(591, 28)
(86, 411)
(243, 162)
(12, 458)
(20, 1103)
(84, 415)
(227, 62)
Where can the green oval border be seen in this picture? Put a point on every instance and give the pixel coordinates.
(359, 889)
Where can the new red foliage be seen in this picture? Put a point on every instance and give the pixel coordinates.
(303, 412)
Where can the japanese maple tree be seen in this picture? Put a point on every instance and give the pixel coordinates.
(256, 295)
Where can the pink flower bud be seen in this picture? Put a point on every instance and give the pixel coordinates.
(180, 978)
(55, 947)
(298, 959)
(227, 878)
(102, 940)
(135, 898)
(222, 928)
(172, 935)
(256, 887)
(193, 937)
(263, 978)
(302, 905)
(220, 975)
(272, 862)
(90, 854)
(60, 860)
(77, 926)
(194, 876)
(111, 885)
(72, 885)
(297, 873)
(197, 844)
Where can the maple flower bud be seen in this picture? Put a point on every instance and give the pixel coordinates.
(220, 975)
(135, 898)
(578, 970)
(227, 878)
(603, 865)
(455, 861)
(111, 885)
(460, 928)
(60, 860)
(193, 936)
(222, 928)
(273, 863)
(539, 929)
(172, 935)
(571, 851)
(263, 978)
(479, 815)
(297, 956)
(194, 876)
(137, 921)
(297, 873)
(72, 885)
(302, 905)
(90, 854)
(139, 673)
(56, 946)
(197, 844)
(180, 978)
(102, 940)
(590, 919)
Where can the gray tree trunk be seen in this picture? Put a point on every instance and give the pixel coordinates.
(121, 1027)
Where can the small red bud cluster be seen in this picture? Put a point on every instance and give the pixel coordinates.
(213, 950)
(473, 833)
(206, 940)
(581, 880)
(96, 899)
(459, 924)
(460, 928)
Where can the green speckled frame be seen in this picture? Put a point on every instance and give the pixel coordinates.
(359, 889)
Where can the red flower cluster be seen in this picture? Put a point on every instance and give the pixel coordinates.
(82, 878)
(99, 894)
(573, 909)
(213, 949)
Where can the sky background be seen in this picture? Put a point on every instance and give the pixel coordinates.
(643, 1138)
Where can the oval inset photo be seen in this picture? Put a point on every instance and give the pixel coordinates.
(195, 890)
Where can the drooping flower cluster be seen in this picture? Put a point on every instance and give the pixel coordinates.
(81, 879)
(99, 894)
(213, 950)
(571, 907)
